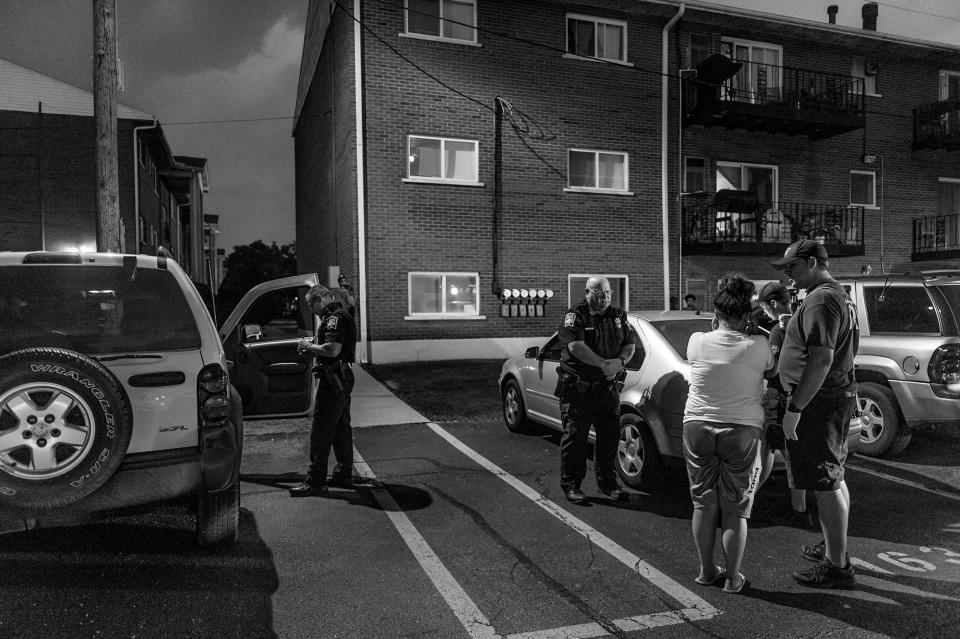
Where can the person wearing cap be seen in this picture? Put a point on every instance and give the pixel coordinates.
(816, 372)
(597, 342)
(774, 300)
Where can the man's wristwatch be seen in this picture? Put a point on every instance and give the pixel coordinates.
(623, 362)
(793, 409)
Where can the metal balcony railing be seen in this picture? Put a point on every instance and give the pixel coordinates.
(787, 88)
(937, 125)
(936, 233)
(777, 223)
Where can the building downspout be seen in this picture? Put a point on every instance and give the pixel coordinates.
(136, 185)
(664, 146)
(364, 355)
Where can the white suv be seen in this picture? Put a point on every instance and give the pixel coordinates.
(114, 392)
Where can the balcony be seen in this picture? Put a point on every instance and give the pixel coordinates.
(761, 228)
(936, 237)
(775, 99)
(937, 125)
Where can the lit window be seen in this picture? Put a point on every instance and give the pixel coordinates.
(863, 188)
(442, 19)
(443, 295)
(442, 160)
(597, 170)
(597, 38)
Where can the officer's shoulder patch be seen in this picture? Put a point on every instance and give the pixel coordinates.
(331, 324)
(569, 319)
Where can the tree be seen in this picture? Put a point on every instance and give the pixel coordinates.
(250, 265)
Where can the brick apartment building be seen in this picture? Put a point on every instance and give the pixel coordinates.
(48, 176)
(451, 155)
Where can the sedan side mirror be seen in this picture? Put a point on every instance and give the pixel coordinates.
(252, 333)
(532, 352)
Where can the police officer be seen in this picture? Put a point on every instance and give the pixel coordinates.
(597, 342)
(334, 349)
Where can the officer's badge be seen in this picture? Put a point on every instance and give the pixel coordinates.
(617, 322)
(569, 319)
(331, 324)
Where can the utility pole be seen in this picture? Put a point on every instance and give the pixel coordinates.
(109, 236)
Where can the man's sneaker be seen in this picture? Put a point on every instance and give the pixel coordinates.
(826, 575)
(575, 495)
(814, 553)
(307, 489)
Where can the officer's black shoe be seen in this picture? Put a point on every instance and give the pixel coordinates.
(575, 495)
(307, 489)
(613, 491)
(341, 480)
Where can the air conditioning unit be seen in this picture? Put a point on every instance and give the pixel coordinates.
(869, 67)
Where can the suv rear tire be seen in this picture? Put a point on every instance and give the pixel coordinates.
(886, 434)
(65, 424)
(218, 516)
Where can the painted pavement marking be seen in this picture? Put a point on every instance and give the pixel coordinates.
(474, 621)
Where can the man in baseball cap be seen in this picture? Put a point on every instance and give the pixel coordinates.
(816, 373)
(801, 250)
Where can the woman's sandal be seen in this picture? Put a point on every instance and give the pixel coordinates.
(718, 574)
(743, 584)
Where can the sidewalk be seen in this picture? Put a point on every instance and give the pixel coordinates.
(373, 404)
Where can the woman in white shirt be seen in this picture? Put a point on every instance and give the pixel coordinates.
(722, 427)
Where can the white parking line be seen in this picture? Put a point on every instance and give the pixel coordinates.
(905, 482)
(474, 621)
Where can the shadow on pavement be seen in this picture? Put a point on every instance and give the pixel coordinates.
(404, 498)
(127, 577)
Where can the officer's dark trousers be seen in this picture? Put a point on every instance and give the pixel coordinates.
(599, 407)
(331, 428)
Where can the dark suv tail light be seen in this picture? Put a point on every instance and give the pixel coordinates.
(944, 367)
(214, 402)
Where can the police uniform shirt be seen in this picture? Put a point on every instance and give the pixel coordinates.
(338, 326)
(605, 334)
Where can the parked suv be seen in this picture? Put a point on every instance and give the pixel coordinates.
(908, 364)
(114, 392)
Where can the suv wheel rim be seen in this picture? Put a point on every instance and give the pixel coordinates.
(45, 430)
(871, 433)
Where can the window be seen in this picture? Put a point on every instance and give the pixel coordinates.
(863, 188)
(156, 178)
(443, 295)
(758, 80)
(442, 19)
(597, 38)
(442, 160)
(141, 152)
(597, 170)
(619, 284)
(140, 228)
(694, 175)
(900, 309)
(866, 69)
(748, 190)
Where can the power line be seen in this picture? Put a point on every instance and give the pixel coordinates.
(917, 11)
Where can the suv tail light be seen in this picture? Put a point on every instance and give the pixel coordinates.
(944, 367)
(214, 402)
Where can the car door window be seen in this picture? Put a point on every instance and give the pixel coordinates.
(282, 314)
(900, 309)
(551, 350)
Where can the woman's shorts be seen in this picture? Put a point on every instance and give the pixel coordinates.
(816, 458)
(723, 465)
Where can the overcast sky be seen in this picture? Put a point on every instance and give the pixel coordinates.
(209, 61)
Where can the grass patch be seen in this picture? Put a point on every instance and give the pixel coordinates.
(446, 390)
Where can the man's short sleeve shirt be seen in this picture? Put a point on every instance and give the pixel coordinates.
(339, 327)
(605, 334)
(825, 318)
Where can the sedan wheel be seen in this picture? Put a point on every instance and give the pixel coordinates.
(514, 413)
(638, 460)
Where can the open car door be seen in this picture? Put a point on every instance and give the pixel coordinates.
(260, 340)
